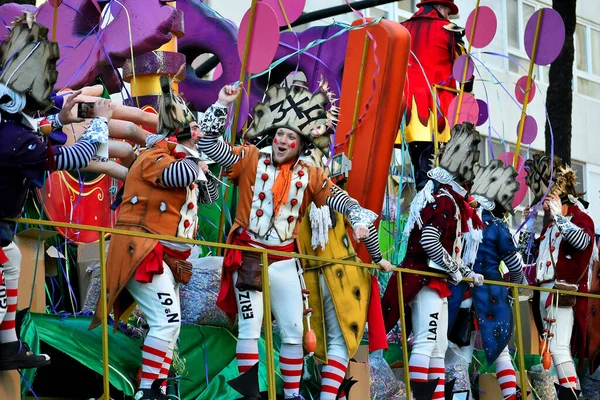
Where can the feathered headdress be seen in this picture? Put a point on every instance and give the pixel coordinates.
(495, 184)
(297, 108)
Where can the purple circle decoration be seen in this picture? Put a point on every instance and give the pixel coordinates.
(530, 130)
(293, 9)
(551, 38)
(469, 110)
(521, 89)
(264, 41)
(458, 69)
(485, 27)
(483, 112)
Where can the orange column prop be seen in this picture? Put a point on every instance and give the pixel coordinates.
(375, 135)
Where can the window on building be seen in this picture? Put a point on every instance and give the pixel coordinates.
(518, 13)
(587, 60)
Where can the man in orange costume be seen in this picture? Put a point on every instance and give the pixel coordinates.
(435, 45)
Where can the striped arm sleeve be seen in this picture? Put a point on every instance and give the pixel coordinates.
(515, 267)
(76, 156)
(210, 192)
(180, 173)
(340, 201)
(577, 238)
(430, 240)
(218, 150)
(372, 244)
(527, 247)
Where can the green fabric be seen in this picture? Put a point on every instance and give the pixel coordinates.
(71, 336)
(28, 334)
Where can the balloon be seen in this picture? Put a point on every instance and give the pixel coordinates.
(469, 111)
(485, 27)
(551, 38)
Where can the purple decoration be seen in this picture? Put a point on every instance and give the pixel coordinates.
(551, 38)
(521, 88)
(458, 69)
(530, 130)
(483, 112)
(85, 48)
(155, 62)
(206, 32)
(10, 11)
(485, 27)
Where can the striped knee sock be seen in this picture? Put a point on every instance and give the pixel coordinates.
(418, 366)
(246, 353)
(7, 327)
(332, 376)
(164, 371)
(567, 376)
(154, 352)
(507, 378)
(290, 363)
(437, 369)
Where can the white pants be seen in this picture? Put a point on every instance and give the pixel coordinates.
(10, 270)
(336, 345)
(560, 344)
(286, 304)
(430, 323)
(159, 301)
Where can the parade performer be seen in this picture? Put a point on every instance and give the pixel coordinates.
(439, 221)
(160, 196)
(564, 252)
(435, 45)
(276, 185)
(493, 188)
(26, 81)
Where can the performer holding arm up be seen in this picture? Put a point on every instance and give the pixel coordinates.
(565, 249)
(276, 185)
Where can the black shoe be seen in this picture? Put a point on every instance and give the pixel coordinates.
(565, 393)
(345, 387)
(17, 355)
(449, 389)
(247, 384)
(424, 390)
(154, 393)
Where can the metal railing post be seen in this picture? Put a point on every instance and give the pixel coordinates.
(519, 339)
(268, 328)
(104, 317)
(404, 334)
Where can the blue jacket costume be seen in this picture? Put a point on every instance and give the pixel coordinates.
(491, 304)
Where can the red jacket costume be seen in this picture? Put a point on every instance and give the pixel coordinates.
(441, 214)
(434, 48)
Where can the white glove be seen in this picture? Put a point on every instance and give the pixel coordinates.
(477, 278)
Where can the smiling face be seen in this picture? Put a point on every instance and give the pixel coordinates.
(286, 145)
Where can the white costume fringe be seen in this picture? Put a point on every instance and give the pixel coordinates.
(320, 222)
(424, 197)
(471, 242)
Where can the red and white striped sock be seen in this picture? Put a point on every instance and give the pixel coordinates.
(332, 376)
(166, 366)
(437, 369)
(7, 327)
(567, 376)
(246, 353)
(290, 363)
(154, 352)
(507, 378)
(418, 366)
